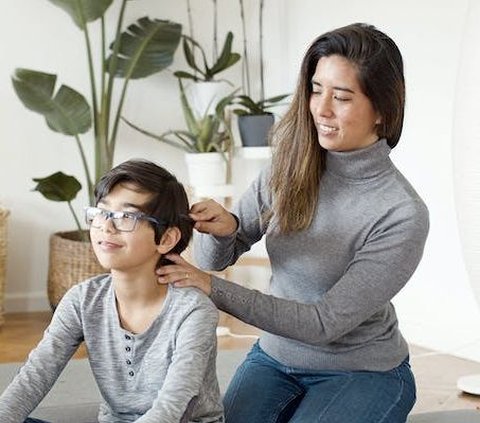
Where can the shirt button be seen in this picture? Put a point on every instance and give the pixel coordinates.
(131, 373)
(127, 349)
(128, 337)
(129, 362)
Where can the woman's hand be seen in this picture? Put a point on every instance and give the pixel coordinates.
(211, 218)
(182, 274)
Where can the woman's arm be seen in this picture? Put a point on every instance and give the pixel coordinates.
(226, 236)
(374, 276)
(45, 363)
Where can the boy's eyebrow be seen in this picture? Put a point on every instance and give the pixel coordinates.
(348, 90)
(124, 205)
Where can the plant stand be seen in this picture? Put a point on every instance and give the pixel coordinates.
(71, 261)
(3, 259)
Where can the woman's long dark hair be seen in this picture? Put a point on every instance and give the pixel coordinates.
(298, 159)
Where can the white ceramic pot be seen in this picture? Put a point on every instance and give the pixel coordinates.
(206, 169)
(204, 96)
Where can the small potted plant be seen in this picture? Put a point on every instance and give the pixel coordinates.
(207, 141)
(206, 87)
(254, 116)
(145, 48)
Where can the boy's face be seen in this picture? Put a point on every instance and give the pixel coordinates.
(125, 251)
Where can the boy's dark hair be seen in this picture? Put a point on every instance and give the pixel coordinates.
(169, 202)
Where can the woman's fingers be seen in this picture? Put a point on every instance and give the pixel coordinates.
(211, 218)
(183, 274)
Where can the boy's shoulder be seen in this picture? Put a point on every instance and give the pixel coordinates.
(93, 287)
(193, 297)
(96, 282)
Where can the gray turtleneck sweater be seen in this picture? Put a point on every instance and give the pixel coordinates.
(328, 305)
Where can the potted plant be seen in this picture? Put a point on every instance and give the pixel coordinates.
(254, 116)
(145, 48)
(206, 88)
(207, 141)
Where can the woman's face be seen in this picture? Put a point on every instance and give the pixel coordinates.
(344, 117)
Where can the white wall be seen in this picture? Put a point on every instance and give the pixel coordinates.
(436, 309)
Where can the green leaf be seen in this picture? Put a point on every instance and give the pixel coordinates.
(35, 89)
(190, 57)
(83, 11)
(58, 187)
(188, 114)
(147, 47)
(275, 99)
(67, 112)
(226, 58)
(185, 75)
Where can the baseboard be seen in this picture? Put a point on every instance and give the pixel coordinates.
(24, 302)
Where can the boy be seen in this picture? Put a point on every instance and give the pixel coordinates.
(151, 348)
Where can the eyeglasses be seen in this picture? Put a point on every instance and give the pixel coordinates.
(122, 221)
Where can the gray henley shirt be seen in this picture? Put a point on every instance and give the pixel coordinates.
(150, 377)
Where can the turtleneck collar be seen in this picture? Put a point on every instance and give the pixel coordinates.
(360, 164)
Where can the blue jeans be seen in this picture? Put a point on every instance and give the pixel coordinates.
(265, 391)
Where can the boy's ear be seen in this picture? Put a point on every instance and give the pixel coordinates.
(169, 239)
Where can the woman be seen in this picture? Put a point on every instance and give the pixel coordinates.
(344, 232)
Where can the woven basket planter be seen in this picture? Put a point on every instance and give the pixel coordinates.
(3, 259)
(71, 261)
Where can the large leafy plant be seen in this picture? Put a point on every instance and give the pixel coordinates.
(145, 48)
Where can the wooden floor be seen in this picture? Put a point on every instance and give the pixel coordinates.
(436, 374)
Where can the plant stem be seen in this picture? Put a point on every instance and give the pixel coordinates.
(83, 236)
(190, 25)
(109, 147)
(102, 136)
(91, 72)
(85, 168)
(215, 31)
(260, 30)
(93, 90)
(246, 66)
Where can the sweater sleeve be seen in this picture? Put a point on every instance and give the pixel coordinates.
(375, 274)
(217, 253)
(192, 359)
(45, 363)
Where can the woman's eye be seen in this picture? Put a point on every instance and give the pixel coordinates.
(339, 98)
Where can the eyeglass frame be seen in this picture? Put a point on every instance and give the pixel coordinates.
(118, 214)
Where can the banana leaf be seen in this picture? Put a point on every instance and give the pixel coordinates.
(58, 187)
(147, 47)
(83, 11)
(66, 112)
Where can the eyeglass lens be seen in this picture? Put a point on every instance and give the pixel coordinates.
(121, 221)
